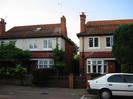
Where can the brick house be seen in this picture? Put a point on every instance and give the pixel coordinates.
(96, 40)
(40, 40)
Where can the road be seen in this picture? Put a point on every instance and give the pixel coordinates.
(21, 92)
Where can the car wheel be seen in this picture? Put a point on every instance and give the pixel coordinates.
(105, 94)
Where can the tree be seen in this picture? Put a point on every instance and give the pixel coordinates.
(123, 46)
(59, 58)
(11, 55)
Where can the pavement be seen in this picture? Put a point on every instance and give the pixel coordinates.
(29, 92)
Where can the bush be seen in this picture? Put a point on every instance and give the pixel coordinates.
(41, 75)
(6, 73)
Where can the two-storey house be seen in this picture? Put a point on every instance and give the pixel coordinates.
(40, 40)
(96, 40)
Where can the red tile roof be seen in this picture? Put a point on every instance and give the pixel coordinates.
(105, 27)
(33, 31)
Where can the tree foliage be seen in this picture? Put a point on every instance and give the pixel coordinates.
(18, 72)
(11, 54)
(59, 58)
(123, 45)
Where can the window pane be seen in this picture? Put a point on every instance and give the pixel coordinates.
(99, 68)
(105, 66)
(89, 69)
(45, 66)
(111, 41)
(45, 62)
(45, 43)
(49, 43)
(99, 62)
(116, 78)
(35, 45)
(94, 62)
(30, 46)
(40, 66)
(90, 42)
(94, 68)
(40, 62)
(95, 42)
(108, 41)
(2, 42)
(12, 42)
(89, 62)
(128, 78)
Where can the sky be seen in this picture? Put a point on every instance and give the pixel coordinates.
(33, 12)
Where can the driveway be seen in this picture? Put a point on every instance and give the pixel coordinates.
(22, 92)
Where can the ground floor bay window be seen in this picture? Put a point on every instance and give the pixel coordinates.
(45, 63)
(97, 66)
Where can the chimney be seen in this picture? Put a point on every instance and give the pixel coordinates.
(82, 22)
(63, 26)
(2, 26)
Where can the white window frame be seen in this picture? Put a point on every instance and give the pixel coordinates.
(33, 45)
(111, 41)
(93, 38)
(49, 44)
(90, 63)
(48, 63)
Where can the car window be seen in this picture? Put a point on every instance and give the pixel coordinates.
(128, 78)
(116, 78)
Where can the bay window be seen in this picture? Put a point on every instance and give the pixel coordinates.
(97, 66)
(45, 63)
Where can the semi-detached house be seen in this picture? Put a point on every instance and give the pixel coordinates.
(40, 40)
(96, 40)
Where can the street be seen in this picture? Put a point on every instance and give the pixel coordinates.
(26, 92)
(22, 92)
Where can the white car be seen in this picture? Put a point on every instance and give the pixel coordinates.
(112, 84)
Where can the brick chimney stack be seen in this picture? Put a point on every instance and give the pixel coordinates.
(63, 26)
(82, 22)
(2, 26)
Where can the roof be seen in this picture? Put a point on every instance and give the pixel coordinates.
(105, 27)
(33, 31)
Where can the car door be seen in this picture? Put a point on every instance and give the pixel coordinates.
(129, 84)
(116, 84)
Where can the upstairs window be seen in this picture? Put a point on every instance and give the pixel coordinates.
(33, 45)
(47, 44)
(2, 43)
(93, 42)
(109, 41)
(12, 42)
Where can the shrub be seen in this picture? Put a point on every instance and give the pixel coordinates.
(6, 73)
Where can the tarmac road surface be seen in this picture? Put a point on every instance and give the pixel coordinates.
(21, 92)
